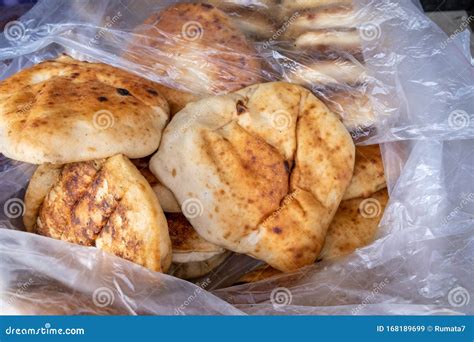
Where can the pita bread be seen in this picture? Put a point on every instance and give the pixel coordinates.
(330, 40)
(261, 273)
(328, 72)
(168, 202)
(188, 246)
(368, 174)
(232, 5)
(196, 269)
(354, 107)
(105, 203)
(67, 111)
(355, 225)
(254, 24)
(260, 171)
(308, 4)
(177, 99)
(331, 17)
(198, 46)
(193, 256)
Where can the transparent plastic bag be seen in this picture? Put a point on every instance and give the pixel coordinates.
(388, 60)
(422, 259)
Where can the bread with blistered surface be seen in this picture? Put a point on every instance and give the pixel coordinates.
(268, 166)
(355, 224)
(369, 176)
(197, 46)
(105, 203)
(65, 111)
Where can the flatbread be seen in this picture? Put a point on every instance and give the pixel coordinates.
(188, 246)
(177, 99)
(260, 171)
(355, 225)
(66, 111)
(197, 46)
(330, 17)
(196, 269)
(308, 4)
(105, 203)
(354, 107)
(254, 24)
(328, 72)
(330, 40)
(168, 202)
(368, 173)
(261, 273)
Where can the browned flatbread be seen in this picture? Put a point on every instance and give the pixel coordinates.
(328, 73)
(355, 224)
(168, 202)
(185, 240)
(257, 190)
(192, 255)
(254, 24)
(354, 108)
(307, 4)
(66, 111)
(368, 173)
(197, 46)
(177, 99)
(329, 41)
(261, 273)
(105, 203)
(322, 18)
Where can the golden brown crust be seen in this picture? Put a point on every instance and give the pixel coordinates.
(65, 111)
(368, 174)
(184, 238)
(196, 46)
(355, 224)
(267, 166)
(261, 273)
(177, 99)
(106, 203)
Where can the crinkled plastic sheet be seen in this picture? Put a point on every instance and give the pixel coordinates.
(420, 82)
(421, 262)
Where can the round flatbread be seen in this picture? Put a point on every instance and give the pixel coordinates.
(105, 203)
(355, 224)
(260, 171)
(368, 175)
(197, 46)
(66, 111)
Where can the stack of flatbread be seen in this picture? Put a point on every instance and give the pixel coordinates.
(356, 221)
(176, 181)
(327, 33)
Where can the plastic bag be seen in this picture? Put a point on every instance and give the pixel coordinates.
(410, 79)
(421, 261)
